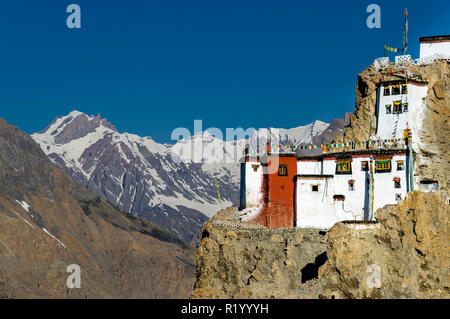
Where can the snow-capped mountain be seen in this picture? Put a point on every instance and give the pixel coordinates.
(174, 186)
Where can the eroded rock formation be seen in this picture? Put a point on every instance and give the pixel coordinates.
(405, 254)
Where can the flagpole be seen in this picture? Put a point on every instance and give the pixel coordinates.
(405, 33)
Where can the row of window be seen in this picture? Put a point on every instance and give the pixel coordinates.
(399, 107)
(351, 185)
(345, 167)
(396, 89)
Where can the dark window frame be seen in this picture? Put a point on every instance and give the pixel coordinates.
(383, 170)
(364, 167)
(387, 90)
(388, 108)
(343, 172)
(397, 109)
(282, 172)
(396, 89)
(404, 87)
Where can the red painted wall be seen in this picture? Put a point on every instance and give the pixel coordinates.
(278, 194)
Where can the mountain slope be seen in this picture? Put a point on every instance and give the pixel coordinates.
(48, 221)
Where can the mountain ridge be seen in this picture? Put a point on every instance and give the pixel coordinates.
(48, 222)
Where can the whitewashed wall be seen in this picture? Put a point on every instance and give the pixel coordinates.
(321, 210)
(427, 49)
(384, 189)
(251, 183)
(386, 122)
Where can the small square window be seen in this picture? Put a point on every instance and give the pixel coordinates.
(405, 107)
(255, 167)
(400, 165)
(398, 197)
(397, 182)
(351, 185)
(365, 166)
(387, 90)
(282, 170)
(397, 107)
(388, 109)
(396, 89)
(314, 188)
(404, 88)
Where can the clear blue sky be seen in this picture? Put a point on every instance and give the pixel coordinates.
(151, 66)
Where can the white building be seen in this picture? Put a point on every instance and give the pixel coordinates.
(399, 108)
(318, 191)
(430, 46)
(336, 187)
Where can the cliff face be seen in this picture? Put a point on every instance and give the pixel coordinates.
(431, 142)
(47, 222)
(238, 260)
(404, 255)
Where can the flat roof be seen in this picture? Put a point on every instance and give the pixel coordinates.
(356, 152)
(436, 38)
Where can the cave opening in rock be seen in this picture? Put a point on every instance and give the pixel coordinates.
(311, 270)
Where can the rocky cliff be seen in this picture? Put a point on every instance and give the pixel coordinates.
(237, 260)
(48, 221)
(405, 254)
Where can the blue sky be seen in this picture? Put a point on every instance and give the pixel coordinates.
(152, 66)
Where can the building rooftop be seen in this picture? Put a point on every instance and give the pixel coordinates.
(437, 38)
(356, 152)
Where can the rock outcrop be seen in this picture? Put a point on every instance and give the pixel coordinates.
(405, 254)
(238, 260)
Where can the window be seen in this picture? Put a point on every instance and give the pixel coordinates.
(387, 90)
(382, 166)
(398, 197)
(314, 188)
(282, 170)
(404, 88)
(351, 185)
(395, 89)
(405, 107)
(397, 107)
(388, 109)
(397, 182)
(428, 186)
(365, 166)
(343, 167)
(400, 165)
(255, 167)
(339, 197)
